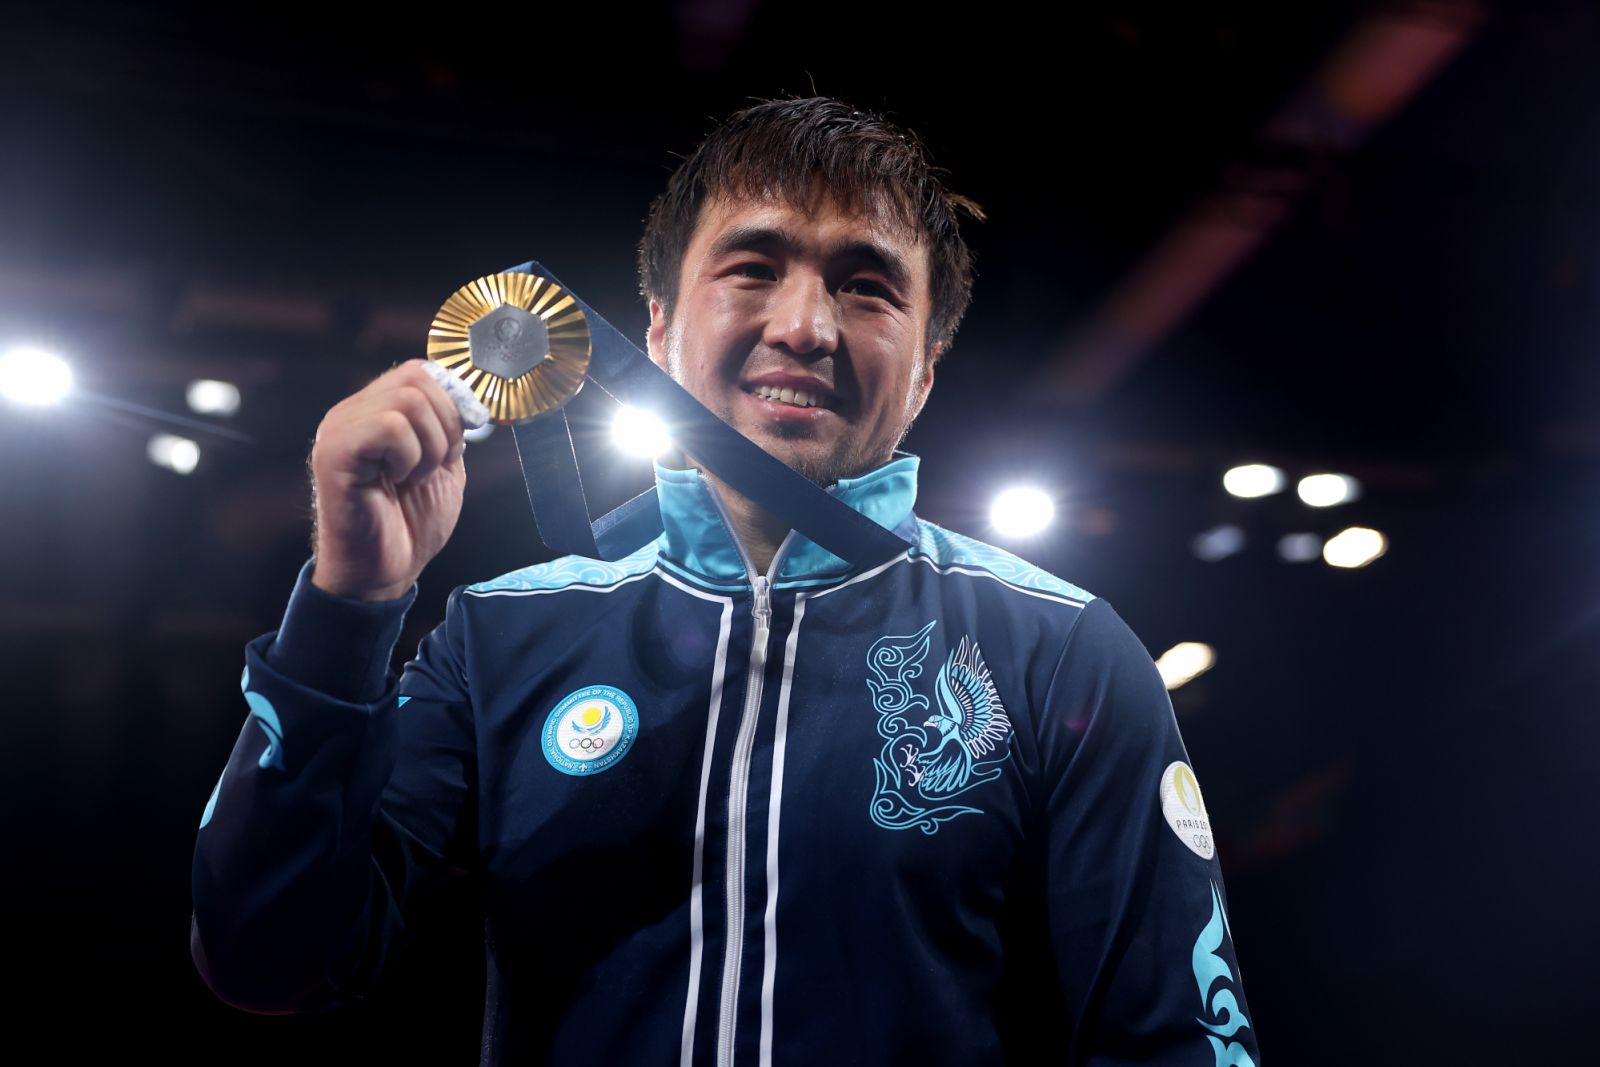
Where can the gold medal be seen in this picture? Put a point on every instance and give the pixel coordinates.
(518, 341)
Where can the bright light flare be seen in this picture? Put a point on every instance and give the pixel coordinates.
(1355, 547)
(1022, 511)
(1185, 662)
(175, 453)
(207, 396)
(639, 433)
(1253, 480)
(1327, 490)
(34, 377)
(1219, 542)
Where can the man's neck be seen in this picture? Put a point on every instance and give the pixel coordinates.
(756, 529)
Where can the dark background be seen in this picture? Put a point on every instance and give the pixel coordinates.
(1400, 759)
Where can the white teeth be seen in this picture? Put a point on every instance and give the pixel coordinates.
(786, 395)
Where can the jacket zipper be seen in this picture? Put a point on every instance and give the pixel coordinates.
(738, 790)
(739, 785)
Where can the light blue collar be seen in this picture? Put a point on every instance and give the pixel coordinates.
(696, 537)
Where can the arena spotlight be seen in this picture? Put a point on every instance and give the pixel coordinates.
(1299, 547)
(1185, 662)
(1326, 490)
(207, 396)
(1219, 542)
(1253, 480)
(34, 378)
(639, 433)
(175, 453)
(1354, 547)
(1021, 511)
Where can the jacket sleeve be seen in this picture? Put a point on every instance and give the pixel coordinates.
(1136, 907)
(347, 798)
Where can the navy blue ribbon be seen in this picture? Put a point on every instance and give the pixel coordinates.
(555, 488)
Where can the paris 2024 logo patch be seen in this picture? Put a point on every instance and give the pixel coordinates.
(932, 755)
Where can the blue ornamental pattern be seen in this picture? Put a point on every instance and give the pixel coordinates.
(1221, 1005)
(920, 768)
(948, 548)
(571, 570)
(266, 717)
(211, 805)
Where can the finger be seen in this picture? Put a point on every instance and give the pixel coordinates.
(373, 447)
(432, 436)
(382, 393)
(438, 396)
(469, 407)
(384, 443)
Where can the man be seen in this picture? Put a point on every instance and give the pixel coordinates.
(732, 799)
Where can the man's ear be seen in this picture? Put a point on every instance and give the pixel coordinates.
(656, 337)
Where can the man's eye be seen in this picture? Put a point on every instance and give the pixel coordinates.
(755, 270)
(866, 287)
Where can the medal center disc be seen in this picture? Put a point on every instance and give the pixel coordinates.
(509, 342)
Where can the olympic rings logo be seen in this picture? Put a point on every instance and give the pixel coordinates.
(586, 744)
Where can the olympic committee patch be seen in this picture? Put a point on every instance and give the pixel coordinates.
(590, 730)
(1185, 809)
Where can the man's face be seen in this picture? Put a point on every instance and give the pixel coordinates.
(830, 306)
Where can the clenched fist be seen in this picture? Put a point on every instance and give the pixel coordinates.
(387, 480)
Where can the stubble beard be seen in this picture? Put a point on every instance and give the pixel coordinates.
(822, 469)
(825, 470)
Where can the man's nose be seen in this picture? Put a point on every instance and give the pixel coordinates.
(804, 316)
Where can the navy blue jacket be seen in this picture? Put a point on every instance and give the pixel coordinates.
(936, 811)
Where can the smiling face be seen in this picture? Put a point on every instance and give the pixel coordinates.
(805, 330)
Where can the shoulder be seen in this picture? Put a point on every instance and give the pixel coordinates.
(569, 572)
(949, 552)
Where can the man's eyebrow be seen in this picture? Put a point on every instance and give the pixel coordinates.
(751, 238)
(754, 238)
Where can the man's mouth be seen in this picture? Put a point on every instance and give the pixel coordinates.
(794, 397)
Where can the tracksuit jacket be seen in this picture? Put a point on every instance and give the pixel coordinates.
(934, 811)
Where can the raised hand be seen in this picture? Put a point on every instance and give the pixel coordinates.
(387, 481)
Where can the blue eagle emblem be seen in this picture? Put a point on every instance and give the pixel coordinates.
(961, 745)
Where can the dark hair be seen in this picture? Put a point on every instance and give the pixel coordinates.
(780, 148)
